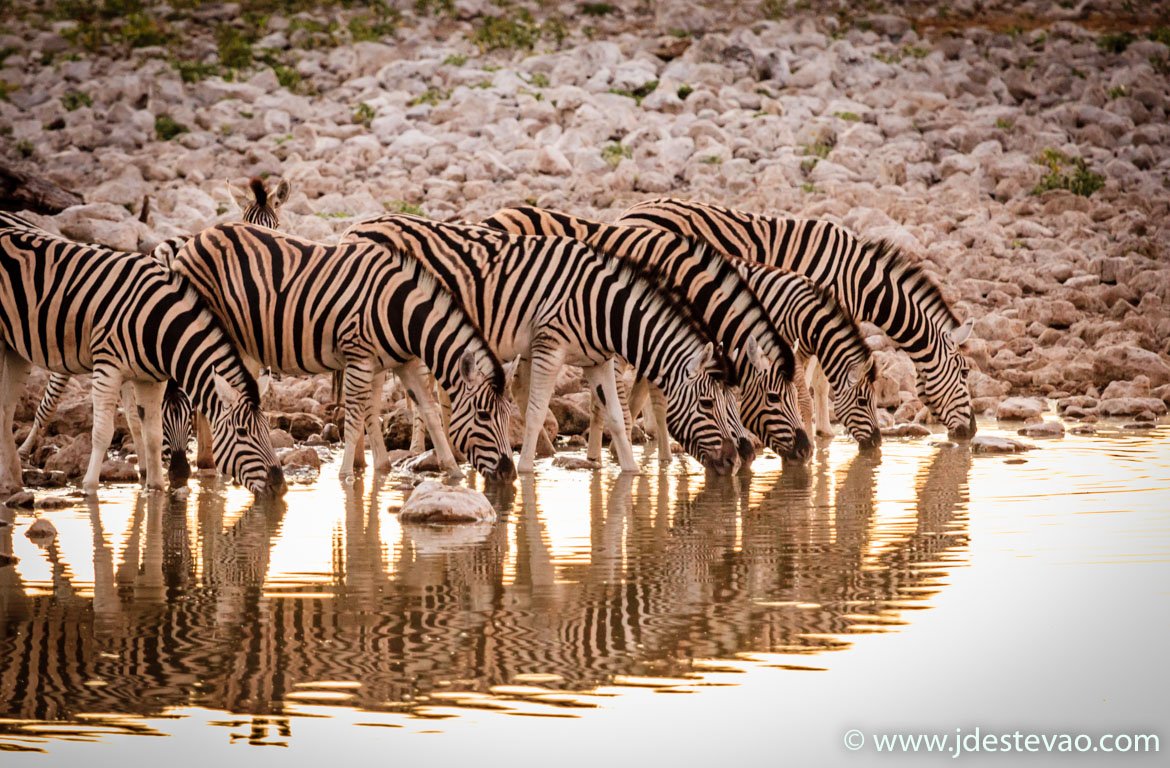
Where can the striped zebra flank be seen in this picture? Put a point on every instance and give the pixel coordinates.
(74, 308)
(554, 301)
(763, 360)
(872, 281)
(258, 205)
(304, 308)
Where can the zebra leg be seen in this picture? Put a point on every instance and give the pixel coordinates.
(815, 375)
(418, 428)
(358, 383)
(425, 402)
(134, 422)
(48, 406)
(149, 396)
(658, 402)
(639, 402)
(204, 456)
(546, 364)
(596, 421)
(14, 372)
(520, 388)
(106, 384)
(374, 435)
(603, 382)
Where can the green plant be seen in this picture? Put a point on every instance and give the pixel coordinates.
(849, 117)
(637, 94)
(819, 150)
(808, 187)
(915, 51)
(166, 128)
(5, 89)
(286, 76)
(597, 9)
(538, 80)
(381, 23)
(1004, 124)
(235, 47)
(435, 7)
(1070, 173)
(774, 10)
(430, 96)
(503, 32)
(401, 206)
(24, 148)
(194, 71)
(1118, 91)
(711, 160)
(334, 215)
(140, 30)
(614, 153)
(455, 60)
(1115, 42)
(1160, 35)
(75, 100)
(363, 114)
(685, 90)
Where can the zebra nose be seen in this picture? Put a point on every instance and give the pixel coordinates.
(964, 432)
(801, 447)
(747, 451)
(276, 483)
(871, 441)
(505, 469)
(179, 470)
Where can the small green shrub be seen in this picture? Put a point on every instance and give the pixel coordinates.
(1117, 92)
(363, 114)
(597, 9)
(24, 148)
(637, 94)
(166, 128)
(430, 96)
(455, 60)
(383, 22)
(141, 30)
(235, 48)
(614, 153)
(506, 33)
(774, 10)
(538, 80)
(1004, 124)
(194, 71)
(401, 206)
(849, 117)
(1064, 172)
(819, 150)
(75, 100)
(1115, 42)
(685, 90)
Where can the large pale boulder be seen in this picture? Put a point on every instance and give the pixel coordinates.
(437, 504)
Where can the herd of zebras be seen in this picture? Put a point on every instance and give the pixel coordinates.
(726, 317)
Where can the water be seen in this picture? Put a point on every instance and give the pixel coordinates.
(669, 617)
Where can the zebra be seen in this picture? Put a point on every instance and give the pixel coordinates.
(763, 360)
(872, 281)
(258, 205)
(74, 308)
(305, 307)
(554, 301)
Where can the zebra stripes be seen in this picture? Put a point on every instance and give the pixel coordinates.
(871, 281)
(554, 301)
(76, 308)
(762, 359)
(259, 203)
(304, 307)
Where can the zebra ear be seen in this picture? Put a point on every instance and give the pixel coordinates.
(227, 393)
(242, 197)
(756, 355)
(280, 194)
(963, 332)
(471, 376)
(700, 360)
(859, 373)
(264, 381)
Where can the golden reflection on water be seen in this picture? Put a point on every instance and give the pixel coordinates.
(592, 586)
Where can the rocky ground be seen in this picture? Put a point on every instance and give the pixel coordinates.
(1022, 150)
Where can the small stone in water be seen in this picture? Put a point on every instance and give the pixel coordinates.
(22, 500)
(990, 444)
(52, 502)
(435, 503)
(41, 529)
(1043, 429)
(574, 462)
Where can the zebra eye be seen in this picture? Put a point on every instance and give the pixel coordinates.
(707, 402)
(863, 402)
(483, 414)
(774, 398)
(241, 432)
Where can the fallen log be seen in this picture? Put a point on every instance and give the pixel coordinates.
(22, 191)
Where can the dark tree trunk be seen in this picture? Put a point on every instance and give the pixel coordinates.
(22, 191)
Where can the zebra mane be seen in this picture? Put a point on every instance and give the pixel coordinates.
(724, 369)
(854, 327)
(256, 184)
(895, 265)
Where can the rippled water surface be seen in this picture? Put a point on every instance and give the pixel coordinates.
(664, 617)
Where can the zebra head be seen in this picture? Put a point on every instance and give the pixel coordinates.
(480, 416)
(259, 203)
(770, 406)
(854, 405)
(942, 383)
(176, 424)
(701, 412)
(241, 440)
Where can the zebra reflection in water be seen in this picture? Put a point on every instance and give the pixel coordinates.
(677, 567)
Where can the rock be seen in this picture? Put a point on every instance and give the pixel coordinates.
(1083, 429)
(1139, 387)
(1124, 362)
(302, 425)
(118, 471)
(301, 457)
(427, 461)
(22, 500)
(73, 459)
(571, 413)
(906, 429)
(433, 503)
(282, 439)
(552, 161)
(41, 528)
(1043, 429)
(6, 560)
(1130, 406)
(1019, 409)
(574, 462)
(331, 434)
(992, 444)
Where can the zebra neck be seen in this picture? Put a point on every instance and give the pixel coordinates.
(645, 331)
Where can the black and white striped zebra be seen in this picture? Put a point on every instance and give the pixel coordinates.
(260, 202)
(555, 301)
(763, 360)
(870, 280)
(75, 308)
(304, 307)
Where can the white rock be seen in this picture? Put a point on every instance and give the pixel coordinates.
(994, 444)
(552, 161)
(1019, 409)
(41, 528)
(438, 504)
(1043, 429)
